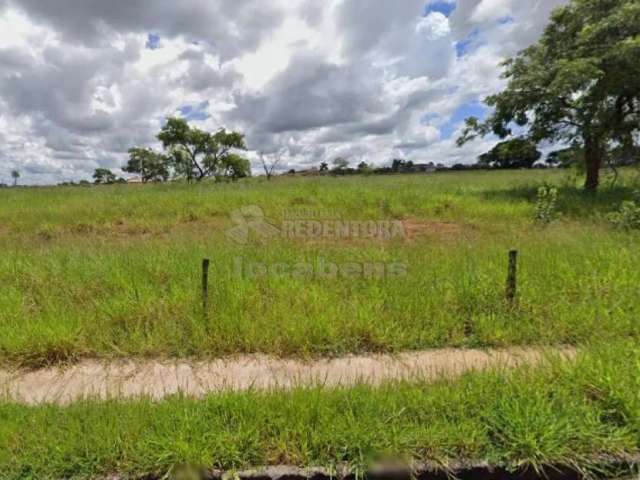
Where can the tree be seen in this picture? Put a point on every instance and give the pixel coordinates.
(204, 152)
(324, 167)
(515, 153)
(15, 174)
(398, 165)
(271, 162)
(150, 165)
(580, 83)
(565, 157)
(625, 155)
(234, 167)
(181, 164)
(363, 167)
(103, 176)
(340, 163)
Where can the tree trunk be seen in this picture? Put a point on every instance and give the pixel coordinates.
(593, 161)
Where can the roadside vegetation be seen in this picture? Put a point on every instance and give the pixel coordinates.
(571, 415)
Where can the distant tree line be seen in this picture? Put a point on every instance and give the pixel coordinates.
(522, 153)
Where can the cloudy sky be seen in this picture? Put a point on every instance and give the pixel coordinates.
(81, 81)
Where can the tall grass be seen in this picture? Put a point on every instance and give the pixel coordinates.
(113, 271)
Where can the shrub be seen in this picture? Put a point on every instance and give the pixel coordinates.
(627, 216)
(546, 205)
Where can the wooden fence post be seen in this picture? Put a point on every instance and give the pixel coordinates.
(512, 277)
(205, 285)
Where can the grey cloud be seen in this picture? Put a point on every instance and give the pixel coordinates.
(530, 17)
(61, 87)
(200, 76)
(312, 93)
(345, 133)
(312, 12)
(56, 94)
(12, 59)
(389, 30)
(367, 25)
(229, 26)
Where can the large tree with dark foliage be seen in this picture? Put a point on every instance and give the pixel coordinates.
(206, 154)
(579, 84)
(103, 176)
(515, 153)
(152, 166)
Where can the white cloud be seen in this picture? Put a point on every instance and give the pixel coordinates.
(488, 10)
(433, 26)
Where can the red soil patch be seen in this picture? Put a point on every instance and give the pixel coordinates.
(416, 228)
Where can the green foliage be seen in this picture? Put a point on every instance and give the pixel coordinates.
(514, 153)
(546, 205)
(627, 216)
(15, 174)
(401, 166)
(199, 154)
(566, 158)
(150, 165)
(580, 83)
(104, 176)
(363, 167)
(234, 167)
(340, 163)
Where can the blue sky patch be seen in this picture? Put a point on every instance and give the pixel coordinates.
(196, 112)
(464, 46)
(471, 109)
(441, 6)
(153, 41)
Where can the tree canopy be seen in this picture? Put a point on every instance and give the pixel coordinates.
(579, 84)
(201, 154)
(190, 153)
(151, 165)
(340, 163)
(515, 153)
(103, 176)
(15, 174)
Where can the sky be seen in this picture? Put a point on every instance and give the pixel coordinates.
(82, 81)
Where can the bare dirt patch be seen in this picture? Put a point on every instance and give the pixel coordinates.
(157, 379)
(418, 228)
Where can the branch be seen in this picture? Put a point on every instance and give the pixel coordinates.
(269, 169)
(194, 162)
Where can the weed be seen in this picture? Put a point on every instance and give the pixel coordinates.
(627, 216)
(546, 205)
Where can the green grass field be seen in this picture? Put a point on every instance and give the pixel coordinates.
(114, 272)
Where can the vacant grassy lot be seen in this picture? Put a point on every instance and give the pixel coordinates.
(115, 271)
